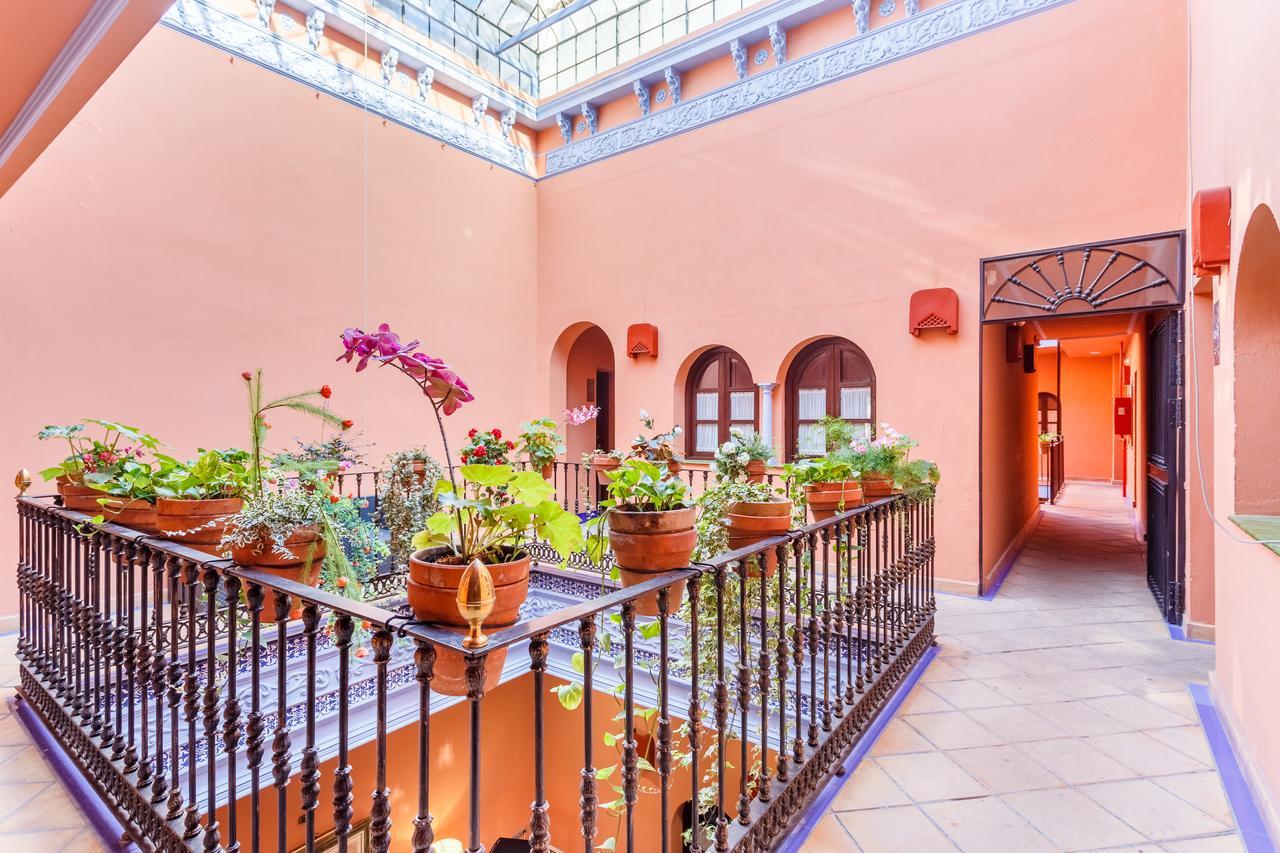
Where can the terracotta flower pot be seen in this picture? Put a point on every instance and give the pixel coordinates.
(602, 464)
(749, 522)
(129, 512)
(305, 542)
(674, 467)
(755, 471)
(648, 543)
(419, 471)
(449, 673)
(80, 498)
(206, 519)
(433, 590)
(548, 470)
(875, 486)
(827, 499)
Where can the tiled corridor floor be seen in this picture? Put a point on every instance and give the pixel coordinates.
(1055, 717)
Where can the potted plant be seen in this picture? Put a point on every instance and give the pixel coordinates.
(486, 448)
(657, 448)
(496, 515)
(829, 484)
(407, 497)
(880, 460)
(541, 443)
(650, 526)
(281, 530)
(742, 457)
(100, 476)
(603, 463)
(196, 501)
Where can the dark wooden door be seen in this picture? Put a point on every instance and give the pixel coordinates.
(1165, 534)
(604, 399)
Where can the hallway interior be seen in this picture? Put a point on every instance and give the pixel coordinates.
(1055, 717)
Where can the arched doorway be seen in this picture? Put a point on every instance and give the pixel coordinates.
(583, 372)
(1257, 358)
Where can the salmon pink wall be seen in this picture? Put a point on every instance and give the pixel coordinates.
(204, 216)
(1235, 142)
(820, 214)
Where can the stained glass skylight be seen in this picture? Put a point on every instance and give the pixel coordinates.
(590, 40)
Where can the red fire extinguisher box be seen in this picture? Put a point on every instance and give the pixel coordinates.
(1124, 415)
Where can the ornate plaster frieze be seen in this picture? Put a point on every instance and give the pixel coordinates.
(259, 45)
(919, 32)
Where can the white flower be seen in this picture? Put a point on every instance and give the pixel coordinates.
(644, 416)
(743, 458)
(676, 430)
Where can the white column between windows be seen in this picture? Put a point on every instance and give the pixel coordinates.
(766, 415)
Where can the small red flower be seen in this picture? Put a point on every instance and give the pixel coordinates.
(342, 583)
(265, 425)
(496, 433)
(333, 499)
(479, 451)
(246, 376)
(326, 391)
(471, 433)
(362, 652)
(365, 624)
(348, 424)
(511, 445)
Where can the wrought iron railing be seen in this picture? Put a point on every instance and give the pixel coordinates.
(203, 715)
(1052, 470)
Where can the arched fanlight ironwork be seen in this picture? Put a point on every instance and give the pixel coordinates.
(1118, 275)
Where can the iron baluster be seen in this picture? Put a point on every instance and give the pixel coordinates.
(343, 798)
(424, 658)
(630, 773)
(231, 708)
(212, 837)
(309, 766)
(475, 692)
(664, 717)
(191, 699)
(744, 685)
(539, 824)
(695, 721)
(380, 813)
(175, 685)
(281, 744)
(159, 683)
(255, 729)
(588, 801)
(784, 560)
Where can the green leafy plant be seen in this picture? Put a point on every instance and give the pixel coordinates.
(713, 507)
(496, 513)
(407, 497)
(540, 441)
(119, 444)
(215, 474)
(657, 447)
(636, 485)
(312, 403)
(486, 448)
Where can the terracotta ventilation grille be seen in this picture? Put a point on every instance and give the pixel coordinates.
(638, 350)
(933, 321)
(642, 340)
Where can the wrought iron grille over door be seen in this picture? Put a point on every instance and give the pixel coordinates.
(1164, 466)
(1091, 278)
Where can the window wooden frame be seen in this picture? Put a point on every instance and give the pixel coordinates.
(1043, 407)
(721, 357)
(834, 348)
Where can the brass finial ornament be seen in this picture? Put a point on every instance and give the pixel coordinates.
(22, 481)
(476, 597)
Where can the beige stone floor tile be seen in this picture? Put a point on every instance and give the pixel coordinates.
(1137, 712)
(88, 841)
(1004, 769)
(953, 730)
(969, 694)
(14, 796)
(927, 776)
(1075, 761)
(940, 670)
(47, 841)
(1176, 701)
(829, 836)
(1015, 723)
(1229, 843)
(12, 732)
(27, 766)
(1145, 755)
(922, 700)
(1151, 810)
(1202, 790)
(1189, 740)
(986, 825)
(869, 788)
(55, 810)
(898, 737)
(1078, 719)
(895, 830)
(1071, 820)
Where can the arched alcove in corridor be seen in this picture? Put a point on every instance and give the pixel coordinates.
(1257, 359)
(582, 371)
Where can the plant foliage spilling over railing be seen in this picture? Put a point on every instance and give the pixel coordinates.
(208, 719)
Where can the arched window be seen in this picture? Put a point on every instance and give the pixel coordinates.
(829, 377)
(1050, 414)
(720, 396)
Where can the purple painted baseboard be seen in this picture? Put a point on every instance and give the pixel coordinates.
(794, 842)
(1253, 830)
(98, 815)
